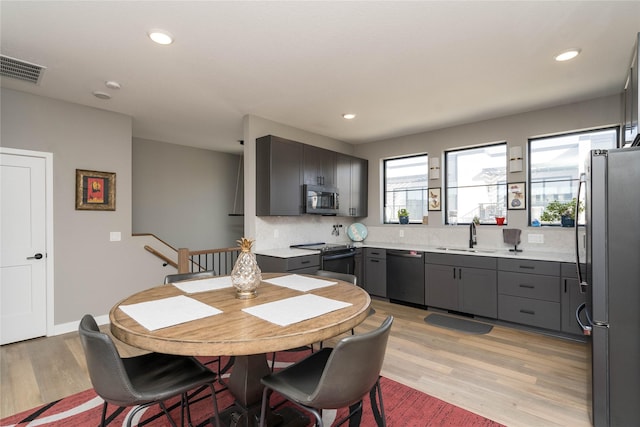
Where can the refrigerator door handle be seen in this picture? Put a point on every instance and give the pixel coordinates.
(582, 284)
(586, 328)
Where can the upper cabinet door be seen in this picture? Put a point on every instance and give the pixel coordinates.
(359, 187)
(278, 176)
(319, 166)
(352, 182)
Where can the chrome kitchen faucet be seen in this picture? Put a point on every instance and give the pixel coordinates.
(473, 240)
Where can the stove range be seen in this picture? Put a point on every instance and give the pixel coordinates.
(338, 257)
(324, 247)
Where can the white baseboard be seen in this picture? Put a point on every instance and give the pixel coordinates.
(65, 328)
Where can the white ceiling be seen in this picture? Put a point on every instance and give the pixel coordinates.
(402, 67)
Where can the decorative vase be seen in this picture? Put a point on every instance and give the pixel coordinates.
(567, 221)
(246, 274)
(404, 219)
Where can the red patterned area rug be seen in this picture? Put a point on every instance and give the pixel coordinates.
(404, 407)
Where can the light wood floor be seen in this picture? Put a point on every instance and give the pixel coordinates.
(513, 377)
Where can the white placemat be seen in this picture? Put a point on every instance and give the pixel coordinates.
(300, 283)
(203, 285)
(295, 309)
(167, 312)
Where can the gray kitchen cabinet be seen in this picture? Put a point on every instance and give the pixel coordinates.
(529, 292)
(306, 264)
(570, 299)
(352, 182)
(359, 266)
(467, 284)
(441, 287)
(319, 166)
(375, 271)
(278, 176)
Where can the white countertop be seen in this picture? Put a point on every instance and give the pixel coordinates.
(285, 252)
(477, 251)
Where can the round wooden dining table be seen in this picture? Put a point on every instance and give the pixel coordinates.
(237, 333)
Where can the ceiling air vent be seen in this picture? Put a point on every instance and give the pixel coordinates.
(21, 70)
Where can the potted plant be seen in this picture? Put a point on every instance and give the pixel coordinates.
(403, 216)
(561, 211)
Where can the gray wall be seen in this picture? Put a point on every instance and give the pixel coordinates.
(266, 230)
(91, 273)
(272, 232)
(184, 195)
(515, 130)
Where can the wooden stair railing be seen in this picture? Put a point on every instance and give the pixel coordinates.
(167, 260)
(221, 260)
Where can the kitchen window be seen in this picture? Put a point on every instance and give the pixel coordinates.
(555, 165)
(405, 186)
(476, 184)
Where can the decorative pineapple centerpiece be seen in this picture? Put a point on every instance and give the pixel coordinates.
(246, 274)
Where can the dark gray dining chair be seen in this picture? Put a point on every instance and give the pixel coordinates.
(334, 378)
(350, 278)
(331, 275)
(343, 276)
(140, 381)
(178, 277)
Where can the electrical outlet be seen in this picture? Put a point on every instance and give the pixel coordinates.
(535, 238)
(276, 233)
(115, 236)
(401, 233)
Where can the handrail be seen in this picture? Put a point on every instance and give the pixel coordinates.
(155, 237)
(167, 261)
(221, 260)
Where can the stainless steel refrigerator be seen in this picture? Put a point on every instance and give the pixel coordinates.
(611, 315)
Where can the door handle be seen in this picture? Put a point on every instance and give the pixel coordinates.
(36, 256)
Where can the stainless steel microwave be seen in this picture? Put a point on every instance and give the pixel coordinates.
(321, 200)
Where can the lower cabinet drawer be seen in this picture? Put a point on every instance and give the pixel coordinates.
(527, 311)
(529, 285)
(308, 262)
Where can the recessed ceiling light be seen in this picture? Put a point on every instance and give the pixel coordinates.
(349, 116)
(160, 36)
(567, 55)
(101, 95)
(111, 84)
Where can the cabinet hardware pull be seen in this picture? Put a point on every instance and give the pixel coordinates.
(374, 260)
(454, 273)
(528, 267)
(528, 312)
(460, 273)
(522, 285)
(305, 262)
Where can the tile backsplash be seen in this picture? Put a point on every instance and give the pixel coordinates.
(281, 232)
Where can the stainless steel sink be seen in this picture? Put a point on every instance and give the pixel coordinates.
(480, 251)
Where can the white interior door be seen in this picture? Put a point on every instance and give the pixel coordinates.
(23, 257)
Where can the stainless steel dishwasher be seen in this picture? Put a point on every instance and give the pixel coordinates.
(405, 276)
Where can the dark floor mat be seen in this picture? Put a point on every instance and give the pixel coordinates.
(458, 324)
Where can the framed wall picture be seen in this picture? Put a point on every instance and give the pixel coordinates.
(516, 195)
(95, 191)
(435, 203)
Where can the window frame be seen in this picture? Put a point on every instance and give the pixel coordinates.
(395, 220)
(530, 193)
(445, 197)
